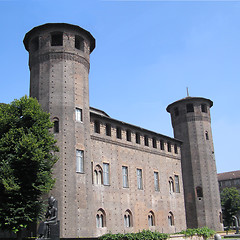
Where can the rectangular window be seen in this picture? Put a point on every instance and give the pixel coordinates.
(175, 148)
(125, 176)
(176, 111)
(156, 181)
(154, 143)
(79, 43)
(129, 136)
(161, 144)
(79, 161)
(137, 138)
(190, 107)
(106, 174)
(96, 126)
(35, 44)
(78, 113)
(57, 39)
(204, 108)
(139, 179)
(169, 147)
(146, 141)
(119, 133)
(108, 129)
(177, 189)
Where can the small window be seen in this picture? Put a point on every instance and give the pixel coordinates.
(170, 219)
(56, 125)
(137, 138)
(78, 113)
(101, 218)
(128, 219)
(204, 108)
(156, 181)
(177, 186)
(190, 107)
(169, 147)
(79, 43)
(199, 192)
(97, 175)
(96, 126)
(206, 135)
(125, 176)
(35, 44)
(175, 149)
(154, 143)
(108, 129)
(220, 217)
(139, 179)
(106, 174)
(161, 144)
(119, 133)
(79, 161)
(129, 135)
(171, 185)
(146, 142)
(176, 112)
(151, 219)
(57, 39)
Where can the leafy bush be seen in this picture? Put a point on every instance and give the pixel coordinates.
(204, 231)
(145, 234)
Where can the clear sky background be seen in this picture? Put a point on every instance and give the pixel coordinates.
(147, 53)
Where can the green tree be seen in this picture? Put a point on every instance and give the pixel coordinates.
(26, 159)
(230, 201)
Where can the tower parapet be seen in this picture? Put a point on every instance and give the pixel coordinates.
(191, 123)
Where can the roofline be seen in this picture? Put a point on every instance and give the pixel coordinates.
(187, 99)
(47, 25)
(136, 127)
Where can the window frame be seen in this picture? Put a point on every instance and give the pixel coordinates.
(125, 177)
(139, 179)
(78, 114)
(156, 181)
(79, 161)
(106, 174)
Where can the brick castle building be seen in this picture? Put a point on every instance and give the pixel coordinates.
(113, 176)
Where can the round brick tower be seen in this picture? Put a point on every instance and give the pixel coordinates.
(59, 61)
(191, 123)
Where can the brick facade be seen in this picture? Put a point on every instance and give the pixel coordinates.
(111, 176)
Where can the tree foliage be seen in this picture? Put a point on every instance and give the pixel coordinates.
(26, 159)
(230, 201)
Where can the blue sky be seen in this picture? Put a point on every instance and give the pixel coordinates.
(147, 53)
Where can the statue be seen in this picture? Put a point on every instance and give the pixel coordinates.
(51, 219)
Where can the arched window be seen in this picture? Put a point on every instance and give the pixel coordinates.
(199, 192)
(100, 218)
(128, 219)
(56, 125)
(151, 219)
(171, 185)
(97, 175)
(170, 219)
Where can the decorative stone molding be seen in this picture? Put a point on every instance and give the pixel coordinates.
(58, 55)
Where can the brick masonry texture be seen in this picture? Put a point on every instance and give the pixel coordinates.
(88, 207)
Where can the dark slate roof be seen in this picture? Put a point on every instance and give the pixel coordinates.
(228, 175)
